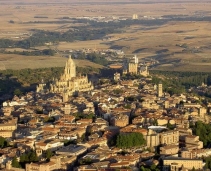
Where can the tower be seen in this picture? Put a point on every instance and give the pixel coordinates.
(133, 68)
(136, 59)
(160, 90)
(65, 96)
(70, 69)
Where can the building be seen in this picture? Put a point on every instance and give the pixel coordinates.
(152, 139)
(120, 120)
(169, 137)
(135, 17)
(7, 127)
(7, 110)
(68, 83)
(196, 153)
(130, 67)
(144, 71)
(175, 164)
(73, 150)
(160, 90)
(116, 76)
(50, 166)
(192, 142)
(133, 68)
(202, 112)
(169, 150)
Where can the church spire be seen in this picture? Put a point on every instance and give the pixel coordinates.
(70, 68)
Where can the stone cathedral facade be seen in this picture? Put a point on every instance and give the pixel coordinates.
(68, 83)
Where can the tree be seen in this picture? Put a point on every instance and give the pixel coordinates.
(83, 137)
(18, 92)
(49, 119)
(11, 21)
(129, 140)
(33, 157)
(193, 169)
(48, 154)
(155, 122)
(15, 163)
(203, 131)
(142, 168)
(153, 167)
(170, 126)
(3, 142)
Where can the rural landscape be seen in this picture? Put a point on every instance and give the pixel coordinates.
(174, 33)
(105, 85)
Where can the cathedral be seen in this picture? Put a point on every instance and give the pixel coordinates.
(68, 83)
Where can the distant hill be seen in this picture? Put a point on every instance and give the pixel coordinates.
(93, 1)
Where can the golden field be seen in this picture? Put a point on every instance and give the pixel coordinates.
(11, 61)
(145, 41)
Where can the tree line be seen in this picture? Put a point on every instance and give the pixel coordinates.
(40, 37)
(186, 79)
(93, 57)
(45, 52)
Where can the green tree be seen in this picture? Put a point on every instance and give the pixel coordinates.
(48, 154)
(33, 157)
(18, 92)
(153, 167)
(15, 163)
(142, 168)
(49, 119)
(155, 122)
(203, 131)
(170, 126)
(129, 140)
(3, 142)
(83, 137)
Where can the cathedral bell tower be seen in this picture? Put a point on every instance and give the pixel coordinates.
(70, 69)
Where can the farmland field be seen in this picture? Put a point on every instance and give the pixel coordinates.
(179, 44)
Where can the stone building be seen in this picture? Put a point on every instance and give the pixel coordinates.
(152, 139)
(7, 127)
(178, 163)
(120, 120)
(144, 71)
(54, 164)
(169, 150)
(133, 68)
(169, 137)
(160, 90)
(68, 83)
(130, 67)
